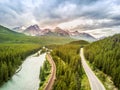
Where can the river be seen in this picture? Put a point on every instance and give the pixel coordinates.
(28, 77)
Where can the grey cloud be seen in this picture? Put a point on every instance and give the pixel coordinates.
(49, 9)
(97, 25)
(58, 11)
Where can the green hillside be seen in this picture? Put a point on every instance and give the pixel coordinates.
(8, 36)
(44, 40)
(105, 55)
(81, 42)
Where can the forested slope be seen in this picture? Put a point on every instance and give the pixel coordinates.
(8, 35)
(68, 67)
(105, 55)
(11, 56)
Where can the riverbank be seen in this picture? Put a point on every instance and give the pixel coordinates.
(48, 79)
(45, 74)
(28, 77)
(12, 56)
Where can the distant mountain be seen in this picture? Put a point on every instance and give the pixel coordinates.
(74, 33)
(61, 32)
(82, 36)
(19, 29)
(45, 31)
(48, 32)
(33, 30)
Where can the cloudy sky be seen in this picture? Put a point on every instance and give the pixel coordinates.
(97, 17)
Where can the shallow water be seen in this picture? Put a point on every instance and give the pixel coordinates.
(28, 77)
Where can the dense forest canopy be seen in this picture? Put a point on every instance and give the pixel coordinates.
(105, 55)
(11, 57)
(68, 65)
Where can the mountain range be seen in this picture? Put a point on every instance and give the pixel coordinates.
(35, 30)
(10, 36)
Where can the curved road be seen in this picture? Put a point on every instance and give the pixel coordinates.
(52, 78)
(94, 81)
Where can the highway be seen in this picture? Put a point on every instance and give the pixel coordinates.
(95, 83)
